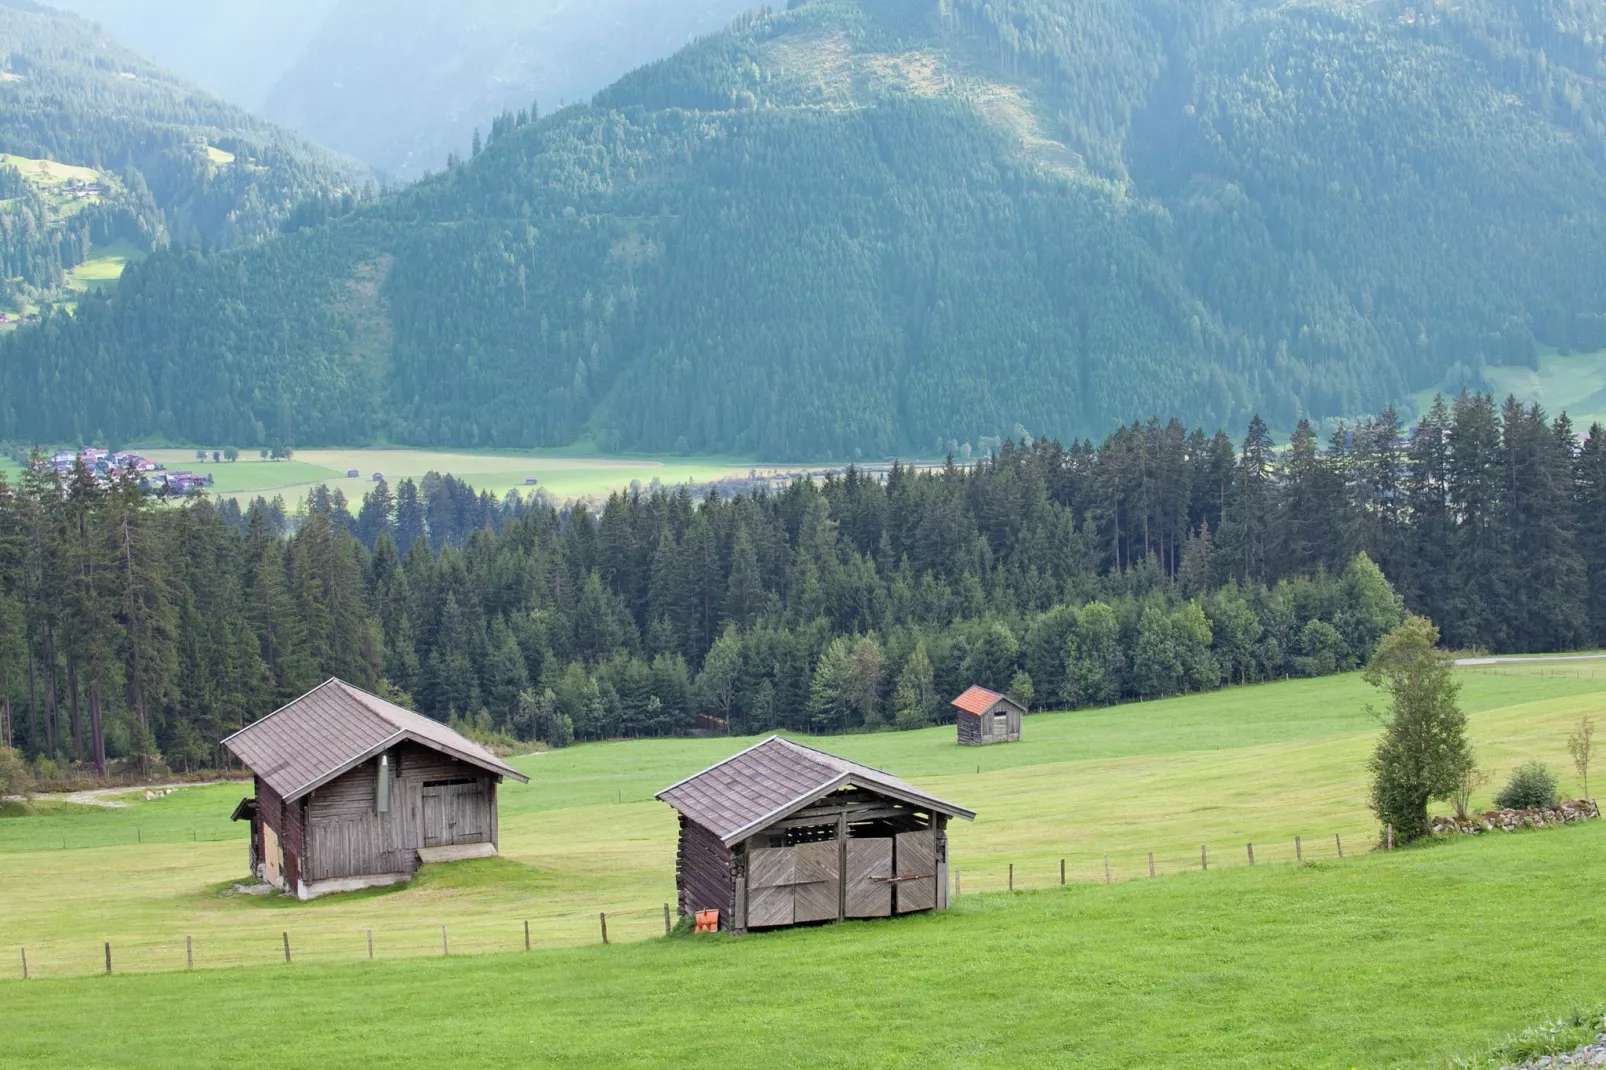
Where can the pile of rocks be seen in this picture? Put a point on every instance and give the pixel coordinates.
(1566, 813)
(1588, 1055)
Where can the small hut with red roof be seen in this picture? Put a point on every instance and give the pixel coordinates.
(987, 717)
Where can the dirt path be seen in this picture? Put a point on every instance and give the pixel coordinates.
(103, 796)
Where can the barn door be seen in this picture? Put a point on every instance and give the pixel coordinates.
(869, 878)
(917, 870)
(467, 821)
(435, 830)
(817, 877)
(771, 872)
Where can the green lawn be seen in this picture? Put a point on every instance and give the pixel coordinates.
(565, 474)
(1259, 765)
(1575, 384)
(1387, 960)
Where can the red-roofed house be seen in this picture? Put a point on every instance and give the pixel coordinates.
(987, 717)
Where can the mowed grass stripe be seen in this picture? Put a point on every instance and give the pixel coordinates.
(1399, 959)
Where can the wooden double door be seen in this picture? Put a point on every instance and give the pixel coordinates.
(870, 877)
(456, 811)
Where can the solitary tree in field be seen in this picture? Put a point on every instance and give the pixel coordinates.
(1423, 754)
(1581, 743)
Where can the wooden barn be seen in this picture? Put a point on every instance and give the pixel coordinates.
(988, 717)
(783, 834)
(354, 792)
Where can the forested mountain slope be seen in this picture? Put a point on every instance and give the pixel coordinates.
(156, 160)
(867, 226)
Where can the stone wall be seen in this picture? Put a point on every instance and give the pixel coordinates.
(1566, 813)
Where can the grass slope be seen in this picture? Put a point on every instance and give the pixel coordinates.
(1259, 764)
(1383, 961)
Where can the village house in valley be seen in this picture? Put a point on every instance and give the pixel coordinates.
(987, 717)
(355, 792)
(783, 834)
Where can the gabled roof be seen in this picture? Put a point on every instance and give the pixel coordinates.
(336, 727)
(772, 779)
(979, 700)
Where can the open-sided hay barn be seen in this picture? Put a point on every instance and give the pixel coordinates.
(987, 717)
(354, 792)
(783, 834)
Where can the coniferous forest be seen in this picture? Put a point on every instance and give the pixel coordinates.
(1160, 561)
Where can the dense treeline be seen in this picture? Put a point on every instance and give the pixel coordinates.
(1159, 562)
(70, 94)
(875, 227)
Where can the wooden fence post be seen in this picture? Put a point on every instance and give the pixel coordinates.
(1340, 845)
(1151, 863)
(1106, 869)
(667, 927)
(370, 944)
(1062, 871)
(526, 934)
(1012, 876)
(24, 962)
(1204, 859)
(604, 918)
(287, 946)
(1299, 850)
(956, 882)
(139, 836)
(1391, 838)
(446, 949)
(108, 958)
(189, 952)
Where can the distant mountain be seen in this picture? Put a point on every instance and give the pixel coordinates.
(402, 83)
(236, 49)
(100, 149)
(860, 227)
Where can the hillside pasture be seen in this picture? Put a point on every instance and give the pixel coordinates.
(1402, 959)
(563, 474)
(1260, 765)
(1574, 384)
(104, 267)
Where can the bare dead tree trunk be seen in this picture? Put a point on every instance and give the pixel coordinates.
(97, 729)
(77, 717)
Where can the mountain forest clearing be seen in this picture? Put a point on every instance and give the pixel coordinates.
(1257, 765)
(1307, 966)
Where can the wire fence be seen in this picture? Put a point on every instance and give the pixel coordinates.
(285, 937)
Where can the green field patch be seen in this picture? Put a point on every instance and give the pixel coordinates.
(219, 157)
(566, 475)
(1403, 959)
(1574, 384)
(48, 174)
(1260, 765)
(104, 266)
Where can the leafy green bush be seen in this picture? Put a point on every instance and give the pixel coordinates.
(1531, 788)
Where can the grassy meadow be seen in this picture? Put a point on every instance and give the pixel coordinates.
(564, 474)
(1260, 764)
(1574, 384)
(1403, 959)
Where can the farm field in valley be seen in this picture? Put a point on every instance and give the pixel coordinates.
(562, 474)
(1260, 764)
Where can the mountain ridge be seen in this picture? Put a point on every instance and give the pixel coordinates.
(861, 228)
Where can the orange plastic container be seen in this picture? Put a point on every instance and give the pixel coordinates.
(708, 921)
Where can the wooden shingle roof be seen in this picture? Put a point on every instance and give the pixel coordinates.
(772, 779)
(334, 728)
